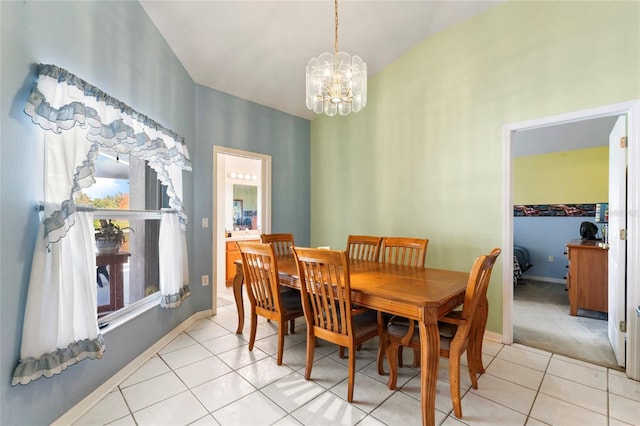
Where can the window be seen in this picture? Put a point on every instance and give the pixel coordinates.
(128, 194)
(79, 120)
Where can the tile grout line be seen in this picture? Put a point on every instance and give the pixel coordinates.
(533, 403)
(545, 373)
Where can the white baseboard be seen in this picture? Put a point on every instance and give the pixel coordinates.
(103, 390)
(546, 279)
(493, 336)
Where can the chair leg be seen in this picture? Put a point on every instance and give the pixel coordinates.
(311, 347)
(292, 326)
(474, 359)
(382, 352)
(478, 353)
(252, 332)
(352, 372)
(392, 357)
(282, 330)
(454, 383)
(384, 342)
(399, 355)
(341, 352)
(477, 350)
(416, 358)
(473, 368)
(479, 334)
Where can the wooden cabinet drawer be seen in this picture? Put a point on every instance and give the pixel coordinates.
(232, 254)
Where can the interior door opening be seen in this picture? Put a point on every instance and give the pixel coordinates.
(241, 203)
(509, 134)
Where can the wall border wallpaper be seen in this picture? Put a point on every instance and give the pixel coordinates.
(555, 210)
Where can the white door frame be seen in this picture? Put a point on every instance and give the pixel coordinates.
(218, 251)
(632, 109)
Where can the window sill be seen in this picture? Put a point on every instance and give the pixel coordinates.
(122, 316)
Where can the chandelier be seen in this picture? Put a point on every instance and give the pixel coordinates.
(336, 83)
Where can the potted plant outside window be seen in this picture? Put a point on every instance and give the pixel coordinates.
(109, 237)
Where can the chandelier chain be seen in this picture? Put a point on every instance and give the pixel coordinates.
(335, 45)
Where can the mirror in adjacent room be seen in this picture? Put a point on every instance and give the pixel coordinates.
(245, 207)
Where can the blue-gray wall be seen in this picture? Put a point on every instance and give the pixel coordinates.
(114, 46)
(228, 121)
(547, 236)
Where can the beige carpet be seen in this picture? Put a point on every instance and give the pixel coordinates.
(542, 320)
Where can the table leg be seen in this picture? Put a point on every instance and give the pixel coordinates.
(117, 282)
(429, 361)
(237, 294)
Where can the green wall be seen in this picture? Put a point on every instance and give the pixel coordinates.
(569, 177)
(425, 157)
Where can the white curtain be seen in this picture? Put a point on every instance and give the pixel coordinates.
(174, 273)
(61, 304)
(60, 324)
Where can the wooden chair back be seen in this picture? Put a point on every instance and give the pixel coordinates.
(326, 292)
(282, 243)
(477, 287)
(404, 251)
(364, 247)
(260, 269)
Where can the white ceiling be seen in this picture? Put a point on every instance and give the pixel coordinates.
(258, 50)
(563, 137)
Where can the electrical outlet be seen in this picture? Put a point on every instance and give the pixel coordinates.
(205, 280)
(550, 258)
(205, 222)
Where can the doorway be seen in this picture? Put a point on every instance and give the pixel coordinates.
(554, 166)
(241, 202)
(632, 293)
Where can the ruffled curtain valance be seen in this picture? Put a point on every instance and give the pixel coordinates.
(60, 324)
(61, 101)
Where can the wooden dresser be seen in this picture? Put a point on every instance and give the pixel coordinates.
(587, 280)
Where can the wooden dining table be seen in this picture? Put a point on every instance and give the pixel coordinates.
(422, 294)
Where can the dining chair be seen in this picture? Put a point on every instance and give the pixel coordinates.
(477, 333)
(459, 332)
(260, 269)
(404, 251)
(326, 300)
(364, 247)
(400, 251)
(282, 243)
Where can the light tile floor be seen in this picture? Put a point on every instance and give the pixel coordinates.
(207, 376)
